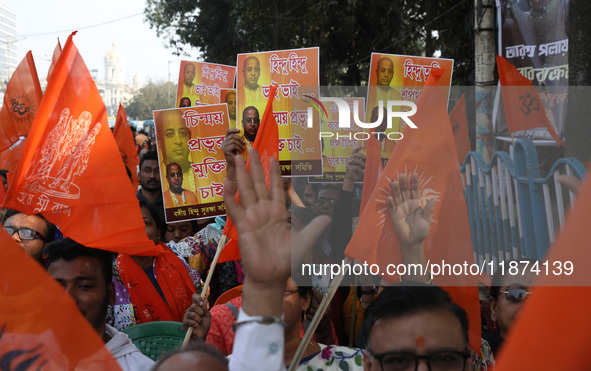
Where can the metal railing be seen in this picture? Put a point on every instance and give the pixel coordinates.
(514, 210)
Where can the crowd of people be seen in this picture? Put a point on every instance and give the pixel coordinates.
(372, 326)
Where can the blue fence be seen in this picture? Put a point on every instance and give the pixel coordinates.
(514, 210)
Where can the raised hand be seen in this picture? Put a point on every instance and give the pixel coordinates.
(410, 220)
(198, 317)
(267, 244)
(233, 143)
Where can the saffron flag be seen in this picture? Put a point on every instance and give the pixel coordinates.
(429, 151)
(459, 125)
(125, 142)
(21, 103)
(373, 169)
(56, 55)
(71, 170)
(9, 157)
(40, 325)
(523, 107)
(555, 317)
(267, 145)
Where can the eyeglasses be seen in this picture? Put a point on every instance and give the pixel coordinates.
(438, 361)
(325, 201)
(256, 120)
(515, 295)
(25, 233)
(288, 292)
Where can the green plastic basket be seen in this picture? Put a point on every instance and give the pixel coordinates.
(155, 338)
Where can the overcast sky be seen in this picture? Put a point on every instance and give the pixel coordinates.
(99, 24)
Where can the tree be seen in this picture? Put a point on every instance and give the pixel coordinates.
(346, 32)
(153, 96)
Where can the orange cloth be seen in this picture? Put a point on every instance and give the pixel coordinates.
(523, 107)
(71, 170)
(190, 198)
(124, 138)
(267, 145)
(173, 279)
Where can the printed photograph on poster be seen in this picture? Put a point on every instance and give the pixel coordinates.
(296, 73)
(228, 96)
(192, 163)
(533, 37)
(200, 82)
(338, 143)
(399, 78)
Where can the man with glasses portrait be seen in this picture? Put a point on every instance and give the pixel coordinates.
(31, 232)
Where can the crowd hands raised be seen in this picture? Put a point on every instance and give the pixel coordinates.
(410, 326)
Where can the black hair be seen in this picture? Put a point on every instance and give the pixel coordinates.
(197, 346)
(154, 214)
(498, 279)
(50, 228)
(325, 187)
(67, 249)
(302, 214)
(411, 298)
(150, 155)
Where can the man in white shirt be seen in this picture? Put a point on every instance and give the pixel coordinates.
(86, 274)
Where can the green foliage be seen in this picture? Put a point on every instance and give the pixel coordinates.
(347, 32)
(153, 96)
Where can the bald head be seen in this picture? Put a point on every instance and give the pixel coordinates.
(384, 72)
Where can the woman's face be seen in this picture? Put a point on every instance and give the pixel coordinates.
(151, 228)
(294, 304)
(177, 231)
(505, 308)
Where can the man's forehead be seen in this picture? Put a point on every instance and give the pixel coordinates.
(150, 163)
(251, 62)
(251, 112)
(385, 63)
(326, 193)
(22, 219)
(83, 267)
(189, 66)
(429, 330)
(173, 168)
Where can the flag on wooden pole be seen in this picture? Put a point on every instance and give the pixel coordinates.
(430, 152)
(125, 142)
(459, 125)
(71, 170)
(267, 145)
(523, 107)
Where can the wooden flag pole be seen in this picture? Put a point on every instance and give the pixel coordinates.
(218, 251)
(334, 286)
(352, 328)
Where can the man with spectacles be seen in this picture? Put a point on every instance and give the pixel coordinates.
(31, 232)
(416, 328)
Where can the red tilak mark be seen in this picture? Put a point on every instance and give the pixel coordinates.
(420, 342)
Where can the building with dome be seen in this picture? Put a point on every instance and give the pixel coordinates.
(114, 89)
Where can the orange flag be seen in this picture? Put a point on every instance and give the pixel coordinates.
(430, 152)
(373, 169)
(459, 124)
(125, 142)
(21, 103)
(56, 54)
(555, 317)
(523, 108)
(267, 145)
(71, 170)
(40, 325)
